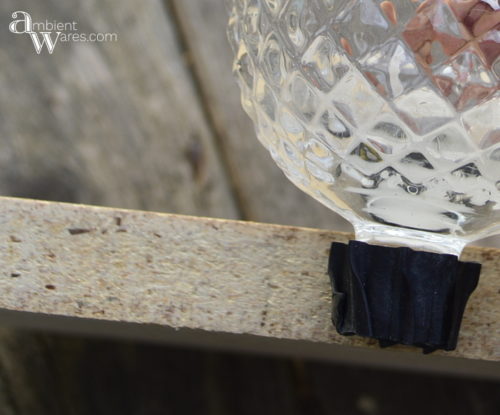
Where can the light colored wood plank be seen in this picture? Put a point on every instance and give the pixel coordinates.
(116, 123)
(266, 194)
(192, 273)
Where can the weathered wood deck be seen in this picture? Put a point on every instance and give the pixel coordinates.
(153, 122)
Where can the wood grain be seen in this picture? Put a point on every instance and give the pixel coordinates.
(194, 273)
(110, 123)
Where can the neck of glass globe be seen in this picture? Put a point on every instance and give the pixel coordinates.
(386, 235)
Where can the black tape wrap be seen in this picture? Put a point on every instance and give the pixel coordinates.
(398, 295)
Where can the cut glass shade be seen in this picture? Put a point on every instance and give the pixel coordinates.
(386, 112)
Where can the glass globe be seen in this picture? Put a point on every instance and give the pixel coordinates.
(387, 112)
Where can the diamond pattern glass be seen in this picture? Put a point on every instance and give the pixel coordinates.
(387, 112)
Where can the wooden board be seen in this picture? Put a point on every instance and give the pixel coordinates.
(194, 273)
(110, 123)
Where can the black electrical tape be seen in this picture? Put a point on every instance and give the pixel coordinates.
(399, 295)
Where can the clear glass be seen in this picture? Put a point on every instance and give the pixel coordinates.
(387, 112)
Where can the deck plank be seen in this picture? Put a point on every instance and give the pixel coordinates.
(195, 273)
(116, 123)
